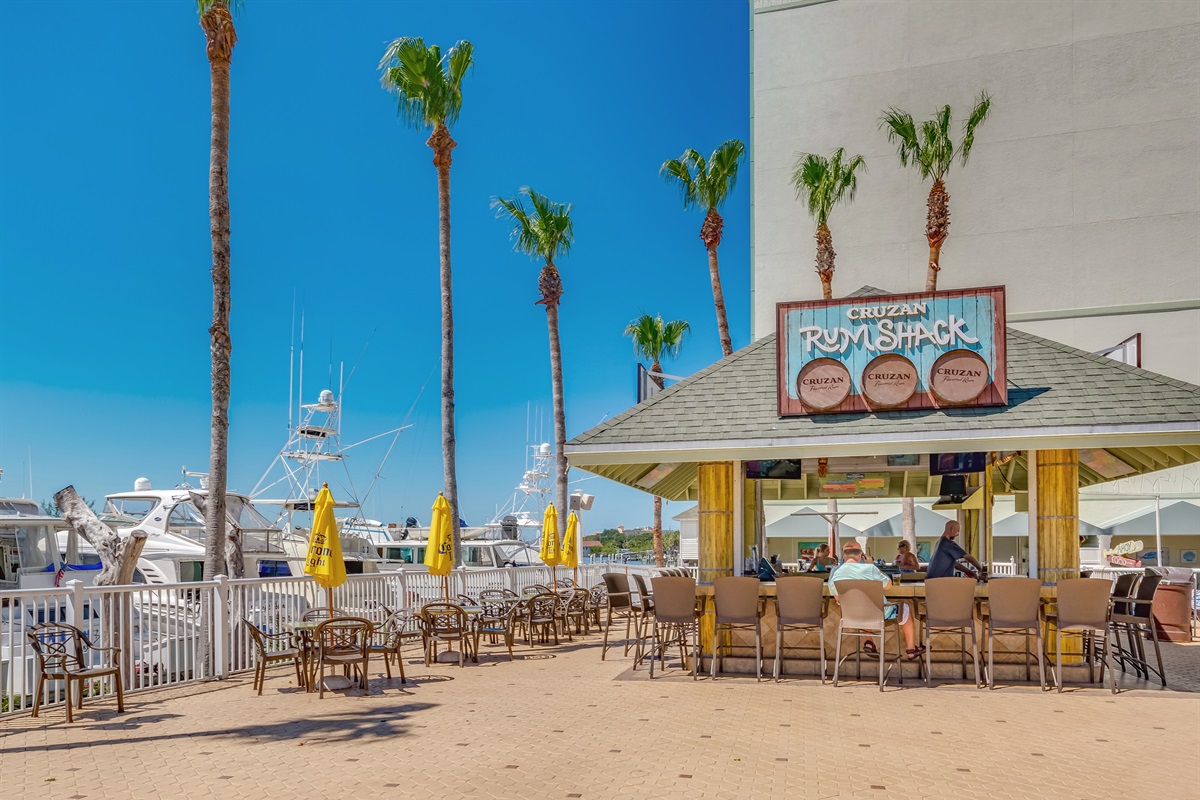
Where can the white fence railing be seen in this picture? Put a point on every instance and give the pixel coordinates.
(177, 633)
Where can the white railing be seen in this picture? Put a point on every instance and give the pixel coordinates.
(184, 632)
(1005, 569)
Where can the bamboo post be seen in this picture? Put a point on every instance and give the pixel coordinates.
(1058, 525)
(987, 509)
(716, 557)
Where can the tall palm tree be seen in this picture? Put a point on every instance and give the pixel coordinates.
(931, 149)
(544, 231)
(654, 340)
(823, 183)
(427, 86)
(216, 19)
(707, 185)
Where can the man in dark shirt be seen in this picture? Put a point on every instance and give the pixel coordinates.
(950, 556)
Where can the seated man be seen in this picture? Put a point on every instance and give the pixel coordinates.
(949, 556)
(855, 567)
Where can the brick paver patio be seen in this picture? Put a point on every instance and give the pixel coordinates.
(560, 723)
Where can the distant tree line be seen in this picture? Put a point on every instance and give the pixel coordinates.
(613, 540)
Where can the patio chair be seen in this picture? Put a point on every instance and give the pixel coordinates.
(64, 654)
(273, 648)
(541, 617)
(321, 613)
(343, 642)
(800, 605)
(675, 616)
(1135, 616)
(495, 594)
(564, 583)
(466, 600)
(1013, 610)
(950, 608)
(619, 606)
(574, 608)
(535, 589)
(599, 600)
(862, 604)
(738, 607)
(1083, 610)
(497, 619)
(445, 622)
(388, 638)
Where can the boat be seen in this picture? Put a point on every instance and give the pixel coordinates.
(521, 517)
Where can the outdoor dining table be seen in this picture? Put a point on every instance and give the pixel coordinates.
(305, 631)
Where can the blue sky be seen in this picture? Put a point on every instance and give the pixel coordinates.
(105, 251)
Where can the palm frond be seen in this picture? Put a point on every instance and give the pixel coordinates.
(543, 231)
(723, 171)
(654, 339)
(979, 115)
(673, 333)
(676, 171)
(902, 132)
(235, 6)
(824, 182)
(426, 85)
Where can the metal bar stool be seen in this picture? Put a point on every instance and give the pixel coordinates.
(950, 608)
(800, 605)
(738, 608)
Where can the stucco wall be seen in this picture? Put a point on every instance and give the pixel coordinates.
(1083, 189)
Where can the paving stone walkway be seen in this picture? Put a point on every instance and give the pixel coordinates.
(560, 723)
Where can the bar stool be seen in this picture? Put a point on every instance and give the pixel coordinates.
(1083, 610)
(950, 608)
(1013, 610)
(738, 608)
(862, 604)
(800, 605)
(620, 606)
(672, 618)
(1137, 620)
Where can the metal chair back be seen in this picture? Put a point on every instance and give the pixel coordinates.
(800, 600)
(1014, 602)
(736, 600)
(1083, 603)
(862, 604)
(674, 600)
(950, 602)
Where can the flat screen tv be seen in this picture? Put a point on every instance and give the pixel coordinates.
(956, 463)
(786, 469)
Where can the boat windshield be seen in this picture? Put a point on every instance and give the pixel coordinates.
(34, 546)
(12, 508)
(131, 507)
(186, 520)
(518, 554)
(246, 516)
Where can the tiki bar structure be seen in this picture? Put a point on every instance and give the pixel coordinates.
(877, 395)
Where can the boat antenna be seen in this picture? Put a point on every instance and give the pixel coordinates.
(292, 363)
(360, 355)
(300, 384)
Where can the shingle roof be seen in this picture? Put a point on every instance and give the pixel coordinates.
(1051, 385)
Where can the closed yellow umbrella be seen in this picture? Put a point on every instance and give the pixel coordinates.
(570, 545)
(550, 551)
(439, 553)
(325, 563)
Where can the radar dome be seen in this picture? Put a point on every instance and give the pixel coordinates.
(544, 450)
(141, 485)
(326, 398)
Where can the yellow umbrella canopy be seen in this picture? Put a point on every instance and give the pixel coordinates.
(550, 552)
(439, 553)
(324, 561)
(570, 546)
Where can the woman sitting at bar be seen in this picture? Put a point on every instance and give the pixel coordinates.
(855, 567)
(822, 561)
(905, 559)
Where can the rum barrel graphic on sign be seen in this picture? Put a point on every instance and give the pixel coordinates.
(889, 380)
(958, 377)
(892, 352)
(823, 384)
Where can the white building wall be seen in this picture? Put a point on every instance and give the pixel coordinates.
(1083, 190)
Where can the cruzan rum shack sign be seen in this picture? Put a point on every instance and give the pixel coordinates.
(892, 352)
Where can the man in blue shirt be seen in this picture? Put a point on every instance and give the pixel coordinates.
(949, 556)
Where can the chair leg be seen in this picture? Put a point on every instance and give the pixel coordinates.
(712, 665)
(695, 651)
(757, 651)
(821, 636)
(881, 650)
(1028, 656)
(628, 622)
(975, 656)
(962, 651)
(604, 644)
(928, 656)
(70, 719)
(400, 663)
(1058, 639)
(1041, 657)
(1157, 653)
(991, 664)
(837, 656)
(1112, 674)
(37, 693)
(778, 649)
(654, 649)
(260, 676)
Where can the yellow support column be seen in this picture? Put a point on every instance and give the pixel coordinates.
(1057, 514)
(716, 534)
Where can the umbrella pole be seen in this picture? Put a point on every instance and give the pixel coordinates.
(329, 597)
(446, 587)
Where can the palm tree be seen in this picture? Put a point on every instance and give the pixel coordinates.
(216, 19)
(545, 231)
(707, 185)
(931, 149)
(823, 183)
(654, 340)
(428, 90)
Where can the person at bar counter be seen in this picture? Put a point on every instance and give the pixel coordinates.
(905, 559)
(822, 561)
(855, 567)
(949, 556)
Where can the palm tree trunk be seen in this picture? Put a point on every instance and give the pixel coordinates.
(560, 416)
(825, 258)
(710, 234)
(442, 146)
(908, 522)
(218, 29)
(659, 558)
(937, 228)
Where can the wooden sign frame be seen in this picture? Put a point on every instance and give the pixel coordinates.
(955, 316)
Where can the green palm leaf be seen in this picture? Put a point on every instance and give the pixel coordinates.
(654, 339)
(427, 85)
(705, 183)
(544, 230)
(822, 182)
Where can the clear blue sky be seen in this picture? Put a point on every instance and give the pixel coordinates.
(105, 251)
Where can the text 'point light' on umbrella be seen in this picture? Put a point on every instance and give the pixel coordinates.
(324, 561)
